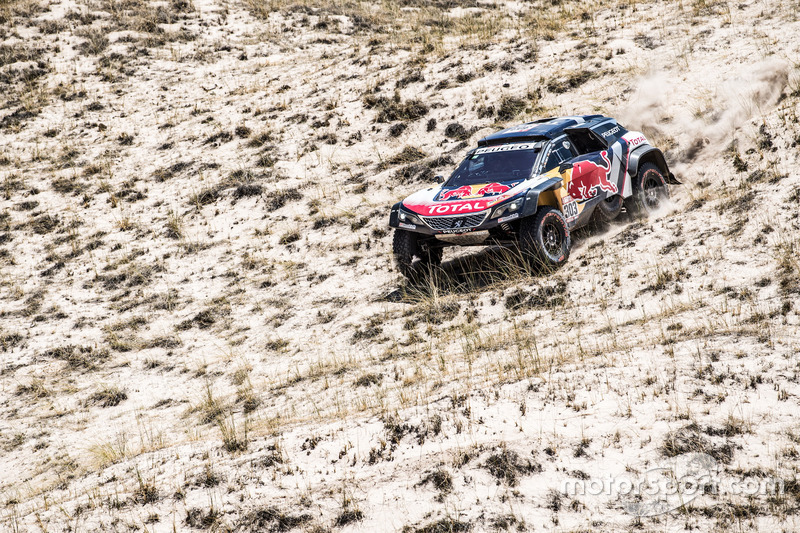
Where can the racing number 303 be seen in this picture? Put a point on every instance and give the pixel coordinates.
(570, 208)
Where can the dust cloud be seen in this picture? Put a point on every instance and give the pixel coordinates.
(695, 119)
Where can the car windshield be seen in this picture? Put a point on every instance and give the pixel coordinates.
(496, 163)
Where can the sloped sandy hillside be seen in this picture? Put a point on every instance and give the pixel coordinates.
(202, 327)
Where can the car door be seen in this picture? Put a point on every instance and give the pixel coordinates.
(559, 151)
(594, 173)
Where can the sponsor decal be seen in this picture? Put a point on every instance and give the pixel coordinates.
(406, 226)
(509, 217)
(612, 131)
(454, 207)
(457, 230)
(521, 128)
(465, 191)
(493, 188)
(570, 206)
(475, 191)
(505, 148)
(587, 177)
(460, 207)
(636, 140)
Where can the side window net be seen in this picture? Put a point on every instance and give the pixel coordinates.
(557, 155)
(584, 142)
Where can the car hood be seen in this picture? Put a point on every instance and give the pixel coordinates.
(465, 199)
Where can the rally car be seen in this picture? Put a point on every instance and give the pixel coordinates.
(529, 186)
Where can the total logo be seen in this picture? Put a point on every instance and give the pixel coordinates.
(461, 207)
(455, 207)
(635, 139)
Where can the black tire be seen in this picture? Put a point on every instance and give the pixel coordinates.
(649, 191)
(409, 256)
(608, 209)
(544, 238)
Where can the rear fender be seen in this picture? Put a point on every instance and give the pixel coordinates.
(650, 154)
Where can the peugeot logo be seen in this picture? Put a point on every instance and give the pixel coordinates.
(458, 223)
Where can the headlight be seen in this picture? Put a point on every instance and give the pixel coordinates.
(408, 218)
(509, 208)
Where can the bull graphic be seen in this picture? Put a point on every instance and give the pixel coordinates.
(493, 188)
(465, 191)
(588, 176)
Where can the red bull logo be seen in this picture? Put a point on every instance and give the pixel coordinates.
(493, 188)
(464, 191)
(475, 191)
(588, 176)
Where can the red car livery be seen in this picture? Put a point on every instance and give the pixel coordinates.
(493, 188)
(455, 207)
(461, 192)
(529, 186)
(587, 177)
(475, 191)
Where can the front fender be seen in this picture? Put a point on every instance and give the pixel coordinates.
(532, 196)
(393, 220)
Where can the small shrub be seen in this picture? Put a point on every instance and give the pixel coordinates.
(107, 397)
(445, 525)
(348, 516)
(510, 107)
(204, 319)
(95, 42)
(440, 479)
(507, 466)
(394, 109)
(202, 520)
(542, 297)
(454, 130)
(279, 198)
(689, 440)
(289, 237)
(9, 340)
(219, 138)
(369, 379)
(247, 189)
(270, 519)
(78, 356)
(44, 224)
(396, 129)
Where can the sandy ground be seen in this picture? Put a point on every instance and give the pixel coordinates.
(202, 327)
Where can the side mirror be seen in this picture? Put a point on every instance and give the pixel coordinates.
(564, 167)
(439, 178)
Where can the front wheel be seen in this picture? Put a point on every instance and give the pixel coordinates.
(650, 191)
(411, 257)
(544, 238)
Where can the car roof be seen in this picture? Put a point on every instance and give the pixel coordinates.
(538, 130)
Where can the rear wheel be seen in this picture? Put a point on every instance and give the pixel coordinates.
(608, 209)
(650, 191)
(411, 257)
(544, 238)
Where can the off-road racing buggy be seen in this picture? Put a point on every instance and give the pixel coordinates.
(529, 186)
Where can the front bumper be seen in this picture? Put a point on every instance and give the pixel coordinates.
(448, 224)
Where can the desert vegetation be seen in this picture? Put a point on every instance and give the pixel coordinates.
(202, 328)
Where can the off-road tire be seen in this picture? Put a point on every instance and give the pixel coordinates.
(608, 209)
(650, 191)
(409, 257)
(544, 238)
